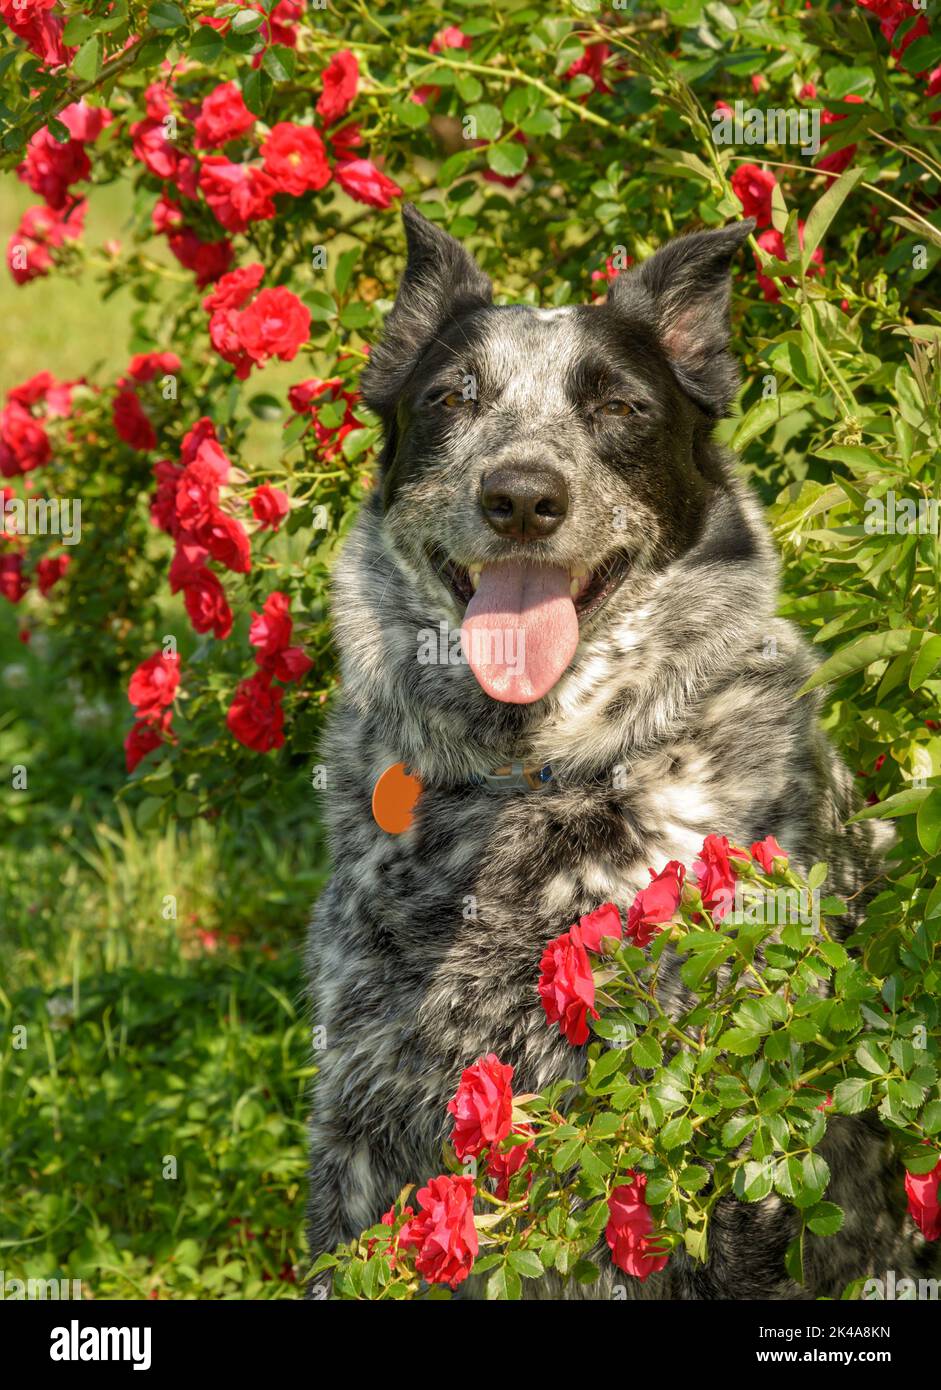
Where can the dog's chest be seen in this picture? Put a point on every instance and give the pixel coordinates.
(447, 923)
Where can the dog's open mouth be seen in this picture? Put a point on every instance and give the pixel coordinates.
(521, 624)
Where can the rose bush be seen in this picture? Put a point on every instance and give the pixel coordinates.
(731, 1097)
(266, 148)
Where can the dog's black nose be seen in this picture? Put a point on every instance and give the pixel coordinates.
(525, 503)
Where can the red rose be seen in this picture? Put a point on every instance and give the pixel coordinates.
(84, 122)
(304, 393)
(566, 986)
(189, 559)
(224, 336)
(163, 502)
(222, 117)
(154, 684)
(295, 157)
(270, 630)
(50, 168)
(365, 183)
(605, 921)
(443, 1232)
(206, 259)
(766, 851)
(29, 250)
(656, 903)
(270, 633)
(144, 736)
(41, 31)
(503, 1163)
(340, 80)
(233, 289)
(772, 242)
(347, 139)
(482, 1107)
(237, 193)
(198, 439)
(228, 543)
(50, 570)
(130, 421)
(715, 876)
(275, 324)
(753, 188)
(924, 1201)
(255, 716)
(628, 1230)
(388, 1218)
(451, 37)
(270, 506)
(146, 365)
(12, 583)
(151, 146)
(24, 444)
(591, 63)
(197, 496)
(206, 604)
(43, 389)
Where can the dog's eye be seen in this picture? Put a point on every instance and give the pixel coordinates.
(616, 407)
(453, 400)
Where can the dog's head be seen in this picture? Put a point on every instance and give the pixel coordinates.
(539, 463)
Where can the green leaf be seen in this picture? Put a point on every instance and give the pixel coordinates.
(693, 1178)
(825, 1219)
(900, 804)
(852, 1096)
(928, 822)
(676, 1132)
(247, 21)
(754, 1180)
(504, 1283)
(508, 158)
(488, 119)
(526, 1262)
(79, 28)
(816, 1172)
(279, 62)
(646, 1052)
(166, 15)
(87, 60)
(863, 652)
(927, 659)
(741, 1041)
(467, 86)
(736, 1129)
(257, 89)
(764, 414)
(826, 208)
(871, 1057)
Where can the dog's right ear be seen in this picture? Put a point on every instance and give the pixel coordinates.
(441, 282)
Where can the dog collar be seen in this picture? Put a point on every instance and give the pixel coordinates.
(398, 789)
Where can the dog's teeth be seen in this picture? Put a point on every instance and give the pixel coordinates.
(575, 588)
(474, 572)
(578, 576)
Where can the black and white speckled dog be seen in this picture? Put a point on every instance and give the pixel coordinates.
(552, 471)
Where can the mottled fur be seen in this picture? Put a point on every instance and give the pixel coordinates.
(676, 717)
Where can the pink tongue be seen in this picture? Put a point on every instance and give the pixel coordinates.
(520, 631)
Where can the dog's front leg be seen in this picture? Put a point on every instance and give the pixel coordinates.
(343, 1199)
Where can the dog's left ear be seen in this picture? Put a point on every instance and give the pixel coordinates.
(683, 291)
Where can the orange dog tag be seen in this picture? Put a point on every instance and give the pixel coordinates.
(394, 799)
